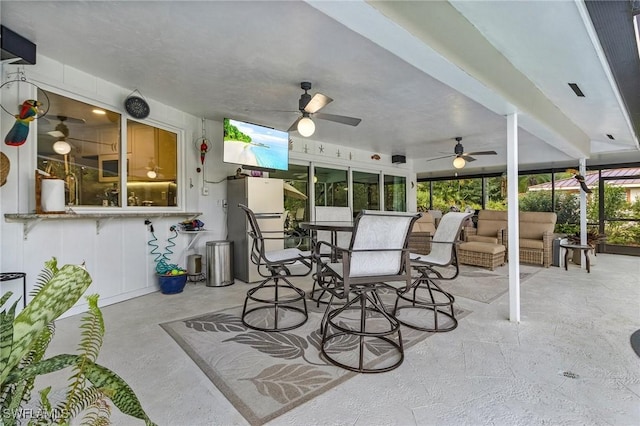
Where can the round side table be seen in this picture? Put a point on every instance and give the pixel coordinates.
(584, 248)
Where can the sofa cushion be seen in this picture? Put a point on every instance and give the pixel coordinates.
(425, 223)
(490, 222)
(482, 239)
(534, 224)
(482, 247)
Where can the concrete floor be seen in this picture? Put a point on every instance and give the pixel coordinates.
(489, 371)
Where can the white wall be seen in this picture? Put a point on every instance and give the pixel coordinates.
(118, 255)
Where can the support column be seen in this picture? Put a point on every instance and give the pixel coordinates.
(513, 217)
(582, 169)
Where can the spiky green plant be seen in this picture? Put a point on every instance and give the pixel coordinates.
(23, 343)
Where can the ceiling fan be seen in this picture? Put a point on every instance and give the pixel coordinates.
(309, 107)
(461, 157)
(61, 132)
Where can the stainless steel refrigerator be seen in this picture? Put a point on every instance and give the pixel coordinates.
(266, 198)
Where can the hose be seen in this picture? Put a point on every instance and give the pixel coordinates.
(161, 259)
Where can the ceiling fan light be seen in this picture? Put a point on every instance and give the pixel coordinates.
(459, 162)
(306, 127)
(62, 147)
(151, 174)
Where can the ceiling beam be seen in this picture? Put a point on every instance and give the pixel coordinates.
(435, 38)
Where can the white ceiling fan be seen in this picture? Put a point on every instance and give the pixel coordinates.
(309, 107)
(61, 132)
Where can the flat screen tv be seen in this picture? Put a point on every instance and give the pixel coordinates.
(254, 146)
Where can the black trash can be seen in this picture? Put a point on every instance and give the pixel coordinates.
(219, 263)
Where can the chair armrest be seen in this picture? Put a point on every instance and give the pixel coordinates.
(502, 236)
(469, 230)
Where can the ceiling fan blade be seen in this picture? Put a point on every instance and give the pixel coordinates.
(56, 134)
(481, 153)
(468, 159)
(56, 118)
(316, 103)
(294, 126)
(351, 121)
(440, 158)
(88, 140)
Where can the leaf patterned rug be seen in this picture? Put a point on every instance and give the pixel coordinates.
(267, 374)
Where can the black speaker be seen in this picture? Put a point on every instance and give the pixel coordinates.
(398, 159)
(13, 45)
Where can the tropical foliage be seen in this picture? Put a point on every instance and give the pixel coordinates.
(24, 341)
(232, 133)
(464, 192)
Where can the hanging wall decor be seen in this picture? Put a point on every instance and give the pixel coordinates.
(29, 110)
(202, 144)
(136, 105)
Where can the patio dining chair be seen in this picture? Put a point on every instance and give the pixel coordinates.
(276, 304)
(425, 293)
(355, 333)
(339, 238)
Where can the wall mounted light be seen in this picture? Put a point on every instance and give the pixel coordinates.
(306, 126)
(459, 162)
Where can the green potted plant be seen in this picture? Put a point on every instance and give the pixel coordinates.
(25, 339)
(594, 237)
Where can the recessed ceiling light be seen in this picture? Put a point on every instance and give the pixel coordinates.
(576, 90)
(99, 111)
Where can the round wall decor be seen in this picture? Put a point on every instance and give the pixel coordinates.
(136, 106)
(5, 165)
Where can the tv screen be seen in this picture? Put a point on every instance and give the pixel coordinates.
(255, 146)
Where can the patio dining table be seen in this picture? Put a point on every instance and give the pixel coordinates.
(332, 226)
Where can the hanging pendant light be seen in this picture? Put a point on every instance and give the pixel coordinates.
(62, 147)
(306, 126)
(459, 162)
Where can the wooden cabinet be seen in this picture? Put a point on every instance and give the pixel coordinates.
(109, 141)
(167, 150)
(152, 148)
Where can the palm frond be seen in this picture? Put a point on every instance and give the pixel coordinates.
(47, 273)
(77, 402)
(98, 413)
(92, 327)
(92, 330)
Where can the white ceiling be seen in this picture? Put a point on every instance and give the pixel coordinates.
(417, 73)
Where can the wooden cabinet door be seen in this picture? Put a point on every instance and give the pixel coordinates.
(143, 150)
(167, 154)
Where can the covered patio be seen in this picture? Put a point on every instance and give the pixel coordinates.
(568, 362)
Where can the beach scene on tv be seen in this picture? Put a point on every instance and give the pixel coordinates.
(253, 145)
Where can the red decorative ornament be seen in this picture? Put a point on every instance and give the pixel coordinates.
(204, 148)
